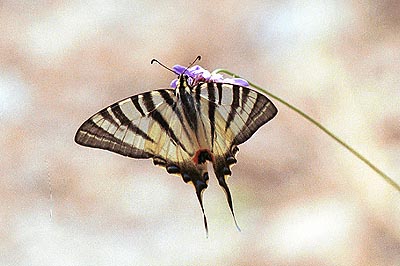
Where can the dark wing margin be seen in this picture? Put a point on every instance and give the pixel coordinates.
(92, 135)
(262, 111)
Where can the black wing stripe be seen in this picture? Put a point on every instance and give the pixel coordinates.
(120, 115)
(261, 105)
(157, 116)
(197, 98)
(91, 134)
(219, 87)
(105, 113)
(168, 99)
(197, 91)
(189, 109)
(90, 131)
(211, 110)
(245, 94)
(254, 110)
(234, 106)
(135, 100)
(147, 100)
(262, 110)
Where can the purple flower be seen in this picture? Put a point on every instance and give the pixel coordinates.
(198, 74)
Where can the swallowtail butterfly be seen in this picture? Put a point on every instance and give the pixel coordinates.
(182, 128)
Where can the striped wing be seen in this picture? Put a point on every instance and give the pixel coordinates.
(150, 125)
(142, 126)
(181, 129)
(231, 114)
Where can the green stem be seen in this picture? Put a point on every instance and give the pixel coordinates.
(313, 121)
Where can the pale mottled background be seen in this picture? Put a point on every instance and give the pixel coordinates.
(300, 198)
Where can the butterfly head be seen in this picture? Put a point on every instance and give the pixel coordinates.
(183, 81)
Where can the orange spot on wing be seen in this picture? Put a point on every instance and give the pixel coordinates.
(201, 153)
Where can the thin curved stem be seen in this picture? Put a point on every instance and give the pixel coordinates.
(388, 179)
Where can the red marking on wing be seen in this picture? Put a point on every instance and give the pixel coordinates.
(202, 151)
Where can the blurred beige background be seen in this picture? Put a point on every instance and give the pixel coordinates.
(299, 197)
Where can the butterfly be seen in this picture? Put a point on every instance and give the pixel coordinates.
(183, 127)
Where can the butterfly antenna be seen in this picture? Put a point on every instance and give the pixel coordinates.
(164, 66)
(198, 58)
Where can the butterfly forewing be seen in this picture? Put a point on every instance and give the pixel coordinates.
(128, 128)
(241, 110)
